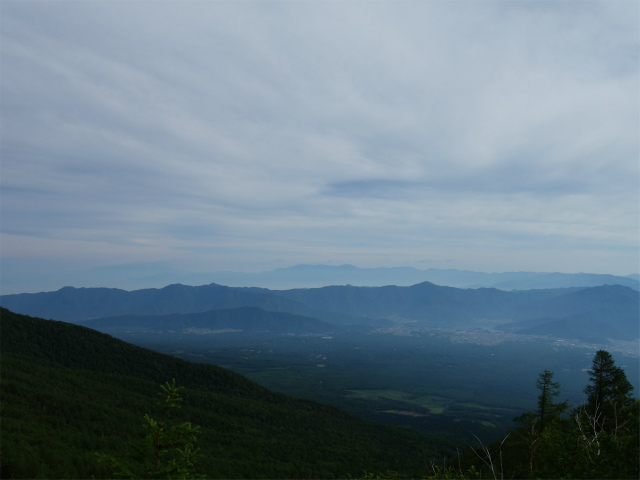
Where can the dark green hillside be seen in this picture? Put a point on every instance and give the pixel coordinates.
(68, 391)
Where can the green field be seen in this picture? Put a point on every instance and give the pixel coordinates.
(422, 381)
(431, 403)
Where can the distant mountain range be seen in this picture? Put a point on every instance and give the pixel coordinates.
(79, 304)
(312, 276)
(593, 313)
(138, 276)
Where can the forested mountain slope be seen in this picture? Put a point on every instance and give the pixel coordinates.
(69, 391)
(582, 300)
(592, 314)
(611, 311)
(425, 302)
(73, 304)
(77, 304)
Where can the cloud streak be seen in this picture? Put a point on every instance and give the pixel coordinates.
(251, 135)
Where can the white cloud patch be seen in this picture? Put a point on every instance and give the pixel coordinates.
(381, 131)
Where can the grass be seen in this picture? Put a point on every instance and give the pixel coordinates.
(435, 404)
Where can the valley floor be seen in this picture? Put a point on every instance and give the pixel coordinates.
(492, 337)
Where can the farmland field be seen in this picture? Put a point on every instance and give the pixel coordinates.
(430, 381)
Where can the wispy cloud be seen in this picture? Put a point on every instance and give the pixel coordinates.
(248, 135)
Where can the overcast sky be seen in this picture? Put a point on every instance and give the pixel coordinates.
(251, 135)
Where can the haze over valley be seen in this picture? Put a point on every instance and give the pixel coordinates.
(431, 350)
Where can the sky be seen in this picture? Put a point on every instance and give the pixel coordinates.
(201, 136)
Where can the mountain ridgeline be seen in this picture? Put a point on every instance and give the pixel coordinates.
(131, 277)
(311, 276)
(584, 313)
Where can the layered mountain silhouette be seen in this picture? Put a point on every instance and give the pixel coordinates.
(145, 275)
(313, 276)
(609, 311)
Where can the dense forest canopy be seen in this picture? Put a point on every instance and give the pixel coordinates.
(69, 392)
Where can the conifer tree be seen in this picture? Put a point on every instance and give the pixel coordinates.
(547, 408)
(167, 451)
(529, 434)
(608, 392)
